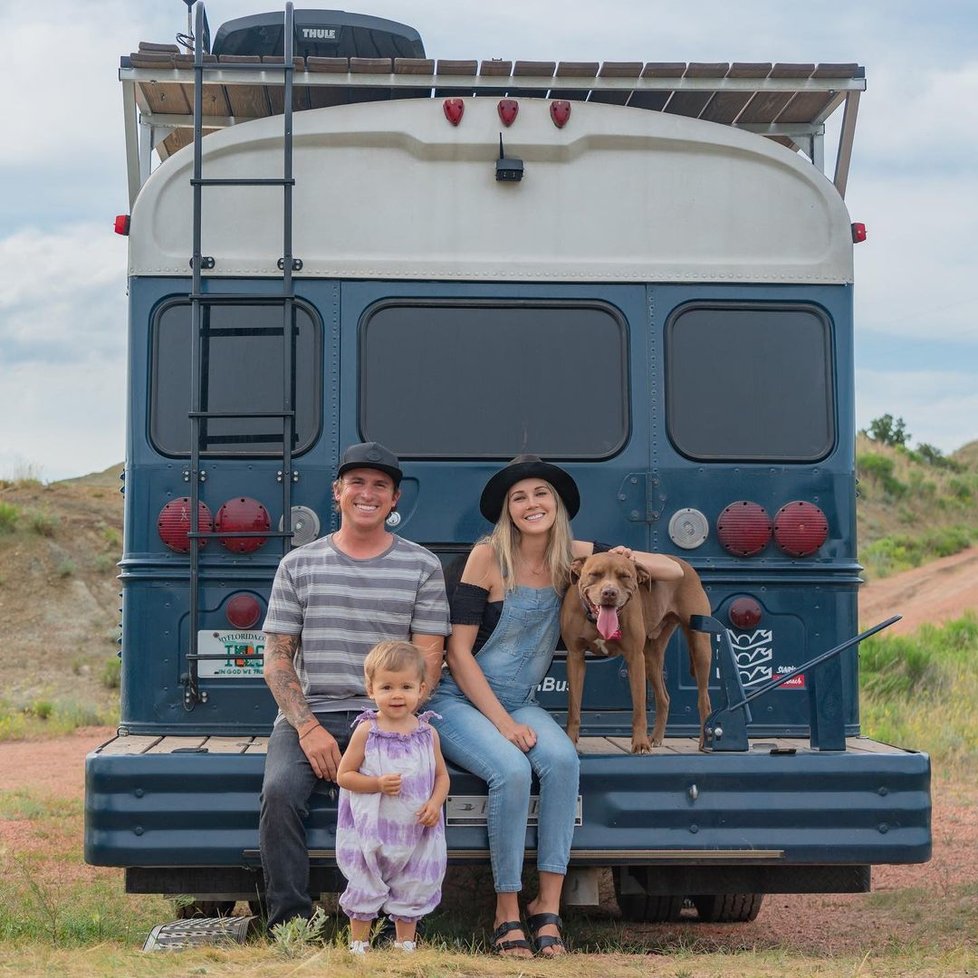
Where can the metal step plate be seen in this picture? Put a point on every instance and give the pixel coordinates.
(199, 931)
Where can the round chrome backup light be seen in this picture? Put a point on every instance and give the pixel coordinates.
(688, 528)
(305, 525)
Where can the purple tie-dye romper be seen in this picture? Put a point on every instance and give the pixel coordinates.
(391, 861)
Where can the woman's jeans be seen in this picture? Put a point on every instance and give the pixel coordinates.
(471, 741)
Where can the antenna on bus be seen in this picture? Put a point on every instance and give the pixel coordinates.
(187, 40)
(508, 169)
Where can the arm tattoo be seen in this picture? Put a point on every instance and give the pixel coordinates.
(282, 680)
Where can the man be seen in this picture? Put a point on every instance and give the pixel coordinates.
(331, 602)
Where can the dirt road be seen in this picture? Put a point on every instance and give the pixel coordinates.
(939, 591)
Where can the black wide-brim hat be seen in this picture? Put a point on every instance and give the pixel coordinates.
(528, 467)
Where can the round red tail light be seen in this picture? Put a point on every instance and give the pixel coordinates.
(173, 524)
(744, 613)
(238, 516)
(243, 611)
(800, 528)
(744, 528)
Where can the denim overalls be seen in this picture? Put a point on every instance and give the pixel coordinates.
(515, 659)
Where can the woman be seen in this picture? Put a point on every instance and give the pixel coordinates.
(506, 621)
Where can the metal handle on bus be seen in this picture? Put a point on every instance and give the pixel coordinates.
(726, 727)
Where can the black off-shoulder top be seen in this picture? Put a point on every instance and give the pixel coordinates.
(470, 606)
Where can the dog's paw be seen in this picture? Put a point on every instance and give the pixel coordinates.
(641, 747)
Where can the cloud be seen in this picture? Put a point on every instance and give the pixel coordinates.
(62, 295)
(938, 407)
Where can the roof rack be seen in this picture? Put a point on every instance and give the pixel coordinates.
(785, 102)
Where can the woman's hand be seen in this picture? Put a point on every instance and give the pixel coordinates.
(518, 734)
(623, 551)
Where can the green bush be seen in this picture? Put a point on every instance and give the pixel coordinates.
(112, 673)
(9, 514)
(43, 524)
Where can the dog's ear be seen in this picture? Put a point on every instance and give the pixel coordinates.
(644, 577)
(575, 569)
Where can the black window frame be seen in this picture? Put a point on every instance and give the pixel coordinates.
(831, 388)
(617, 316)
(244, 451)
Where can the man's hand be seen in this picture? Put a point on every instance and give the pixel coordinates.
(389, 784)
(429, 813)
(320, 747)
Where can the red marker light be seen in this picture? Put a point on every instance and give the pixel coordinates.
(560, 112)
(744, 528)
(508, 109)
(243, 611)
(858, 233)
(454, 109)
(122, 224)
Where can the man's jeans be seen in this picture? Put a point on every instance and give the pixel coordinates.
(289, 783)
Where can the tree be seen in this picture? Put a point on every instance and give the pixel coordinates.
(889, 431)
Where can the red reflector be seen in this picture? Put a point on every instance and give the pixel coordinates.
(508, 109)
(122, 224)
(560, 112)
(237, 516)
(243, 611)
(744, 528)
(745, 613)
(454, 109)
(800, 528)
(858, 233)
(173, 524)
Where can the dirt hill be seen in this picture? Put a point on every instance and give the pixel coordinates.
(59, 596)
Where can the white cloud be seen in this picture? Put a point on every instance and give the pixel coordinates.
(938, 407)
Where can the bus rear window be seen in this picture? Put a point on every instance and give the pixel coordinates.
(493, 380)
(241, 372)
(750, 383)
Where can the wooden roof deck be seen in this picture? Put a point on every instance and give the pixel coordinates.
(786, 102)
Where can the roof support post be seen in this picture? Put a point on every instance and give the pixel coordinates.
(133, 154)
(845, 143)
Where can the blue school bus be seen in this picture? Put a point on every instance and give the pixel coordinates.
(636, 270)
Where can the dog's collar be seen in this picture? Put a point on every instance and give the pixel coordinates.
(590, 612)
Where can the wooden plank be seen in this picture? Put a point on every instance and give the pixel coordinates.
(765, 107)
(246, 101)
(575, 69)
(724, 107)
(128, 745)
(276, 93)
(657, 101)
(495, 68)
(599, 745)
(693, 103)
(324, 95)
(414, 66)
(227, 745)
(167, 745)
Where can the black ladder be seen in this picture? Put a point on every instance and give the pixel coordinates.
(202, 333)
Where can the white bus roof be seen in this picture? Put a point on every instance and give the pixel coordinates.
(391, 189)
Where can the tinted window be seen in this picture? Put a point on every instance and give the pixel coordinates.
(494, 380)
(750, 383)
(242, 372)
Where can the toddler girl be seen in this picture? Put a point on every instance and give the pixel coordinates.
(390, 835)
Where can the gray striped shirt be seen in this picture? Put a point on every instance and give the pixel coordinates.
(342, 607)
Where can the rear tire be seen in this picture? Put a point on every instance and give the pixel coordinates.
(646, 908)
(728, 908)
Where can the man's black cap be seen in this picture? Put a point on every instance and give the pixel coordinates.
(371, 455)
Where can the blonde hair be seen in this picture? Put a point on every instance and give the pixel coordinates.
(394, 656)
(505, 539)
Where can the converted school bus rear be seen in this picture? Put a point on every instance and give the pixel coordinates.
(661, 304)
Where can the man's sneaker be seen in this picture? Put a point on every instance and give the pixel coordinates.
(408, 947)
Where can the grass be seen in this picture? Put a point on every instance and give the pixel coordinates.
(909, 680)
(50, 718)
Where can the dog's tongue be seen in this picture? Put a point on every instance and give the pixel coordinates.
(607, 622)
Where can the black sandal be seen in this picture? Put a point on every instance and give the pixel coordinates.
(538, 920)
(500, 946)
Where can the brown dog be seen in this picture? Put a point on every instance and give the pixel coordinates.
(613, 607)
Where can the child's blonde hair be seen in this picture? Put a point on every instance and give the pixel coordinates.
(394, 657)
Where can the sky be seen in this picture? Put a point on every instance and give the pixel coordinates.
(913, 182)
